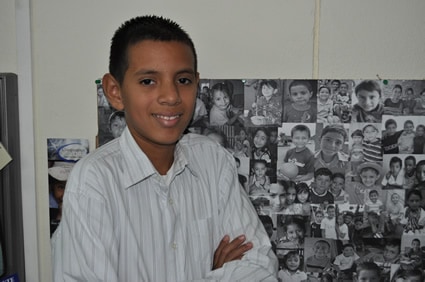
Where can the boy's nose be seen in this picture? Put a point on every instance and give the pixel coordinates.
(169, 93)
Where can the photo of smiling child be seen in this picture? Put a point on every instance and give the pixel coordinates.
(291, 231)
(369, 107)
(268, 102)
(301, 105)
(222, 111)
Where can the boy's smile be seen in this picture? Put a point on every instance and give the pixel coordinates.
(300, 94)
(369, 177)
(368, 100)
(158, 92)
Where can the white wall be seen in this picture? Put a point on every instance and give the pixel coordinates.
(234, 39)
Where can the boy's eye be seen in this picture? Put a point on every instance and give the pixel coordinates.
(184, 80)
(146, 81)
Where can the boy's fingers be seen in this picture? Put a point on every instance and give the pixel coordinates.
(228, 251)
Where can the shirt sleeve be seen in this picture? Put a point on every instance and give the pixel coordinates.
(237, 217)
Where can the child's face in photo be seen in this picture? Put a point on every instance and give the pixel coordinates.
(331, 143)
(322, 183)
(410, 165)
(368, 276)
(420, 131)
(277, 201)
(370, 133)
(414, 202)
(273, 137)
(343, 88)
(368, 177)
(331, 213)
(260, 139)
(367, 100)
(395, 168)
(117, 126)
(268, 91)
(319, 217)
(293, 262)
(290, 195)
(358, 225)
(348, 219)
(300, 139)
(293, 232)
(260, 169)
(373, 197)
(396, 94)
(416, 245)
(391, 253)
(324, 94)
(340, 219)
(391, 129)
(348, 252)
(395, 198)
(408, 127)
(300, 94)
(59, 191)
(302, 196)
(357, 140)
(420, 173)
(321, 250)
(242, 134)
(221, 100)
(335, 85)
(409, 94)
(338, 184)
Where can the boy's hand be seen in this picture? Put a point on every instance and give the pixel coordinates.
(228, 251)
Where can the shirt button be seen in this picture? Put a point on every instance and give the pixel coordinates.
(174, 246)
(170, 201)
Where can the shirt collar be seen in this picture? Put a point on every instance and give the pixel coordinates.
(137, 167)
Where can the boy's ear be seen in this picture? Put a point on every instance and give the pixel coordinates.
(112, 90)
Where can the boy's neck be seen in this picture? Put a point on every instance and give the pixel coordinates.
(298, 149)
(302, 107)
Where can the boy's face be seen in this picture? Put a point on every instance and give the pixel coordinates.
(260, 139)
(409, 94)
(221, 100)
(331, 143)
(59, 191)
(410, 165)
(321, 250)
(338, 184)
(319, 217)
(416, 245)
(414, 202)
(396, 94)
(302, 196)
(335, 85)
(322, 183)
(300, 94)
(370, 133)
(273, 137)
(158, 92)
(391, 253)
(420, 131)
(293, 262)
(395, 198)
(358, 225)
(293, 232)
(300, 139)
(391, 129)
(268, 91)
(373, 197)
(331, 213)
(260, 169)
(343, 88)
(368, 276)
(117, 126)
(408, 127)
(357, 140)
(367, 100)
(420, 173)
(348, 219)
(348, 251)
(290, 195)
(340, 219)
(324, 94)
(368, 177)
(395, 168)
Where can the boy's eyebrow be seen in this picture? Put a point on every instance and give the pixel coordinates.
(153, 71)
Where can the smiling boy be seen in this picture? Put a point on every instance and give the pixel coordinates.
(153, 204)
(369, 107)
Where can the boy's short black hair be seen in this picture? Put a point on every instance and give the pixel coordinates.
(347, 245)
(368, 265)
(323, 242)
(338, 175)
(396, 160)
(143, 28)
(410, 158)
(300, 83)
(269, 82)
(300, 127)
(373, 191)
(389, 122)
(416, 240)
(357, 132)
(323, 171)
(368, 85)
(335, 128)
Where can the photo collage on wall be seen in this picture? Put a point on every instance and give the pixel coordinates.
(334, 168)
